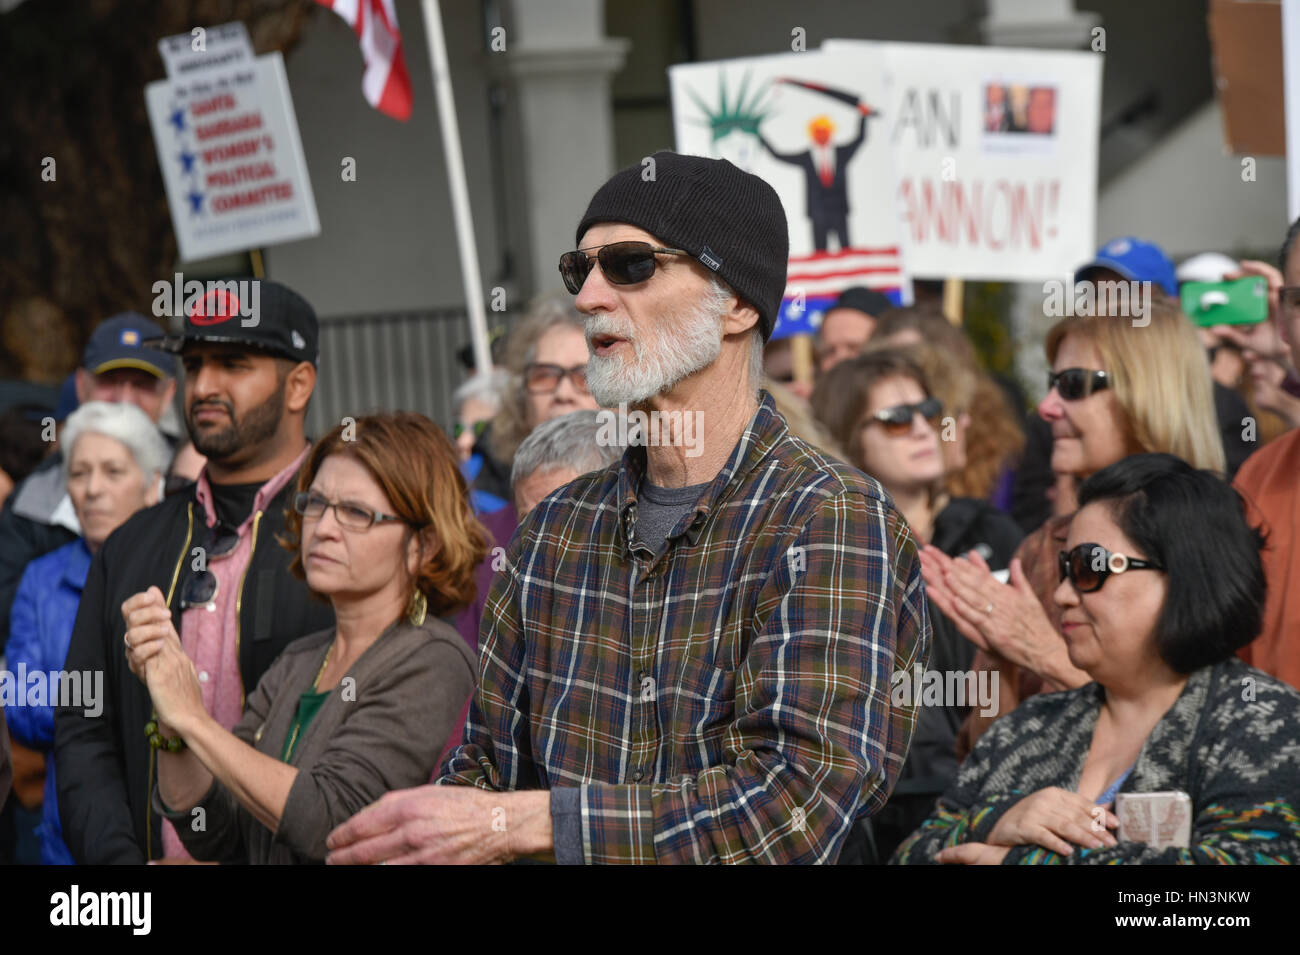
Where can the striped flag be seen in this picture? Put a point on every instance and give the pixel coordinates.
(385, 83)
(814, 281)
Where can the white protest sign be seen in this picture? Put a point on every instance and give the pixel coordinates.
(809, 124)
(205, 48)
(231, 159)
(996, 156)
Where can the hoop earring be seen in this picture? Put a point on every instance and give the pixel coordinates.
(416, 608)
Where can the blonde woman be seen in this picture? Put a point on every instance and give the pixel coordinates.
(1116, 388)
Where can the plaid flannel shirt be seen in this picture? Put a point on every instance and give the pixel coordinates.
(725, 700)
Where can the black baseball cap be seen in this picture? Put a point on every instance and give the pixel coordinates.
(118, 342)
(259, 313)
(862, 299)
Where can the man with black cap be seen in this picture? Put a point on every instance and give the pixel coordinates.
(206, 561)
(115, 366)
(848, 325)
(687, 655)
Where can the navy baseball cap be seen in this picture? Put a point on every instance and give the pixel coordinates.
(119, 343)
(258, 313)
(1137, 261)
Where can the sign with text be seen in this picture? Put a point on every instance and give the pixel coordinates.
(814, 126)
(205, 48)
(231, 159)
(995, 153)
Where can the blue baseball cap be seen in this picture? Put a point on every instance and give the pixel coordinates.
(119, 341)
(1137, 261)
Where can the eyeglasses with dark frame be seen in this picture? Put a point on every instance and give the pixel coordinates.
(541, 378)
(201, 589)
(355, 517)
(1075, 383)
(897, 421)
(1089, 565)
(1288, 300)
(623, 263)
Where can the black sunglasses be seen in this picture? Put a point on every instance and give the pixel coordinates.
(201, 589)
(624, 263)
(897, 421)
(1075, 383)
(1088, 566)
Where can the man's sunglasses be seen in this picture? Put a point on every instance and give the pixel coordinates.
(897, 421)
(1088, 566)
(542, 379)
(624, 263)
(1075, 383)
(201, 589)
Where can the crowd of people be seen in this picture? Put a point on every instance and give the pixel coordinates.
(549, 636)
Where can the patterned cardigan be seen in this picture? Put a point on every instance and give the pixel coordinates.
(1231, 741)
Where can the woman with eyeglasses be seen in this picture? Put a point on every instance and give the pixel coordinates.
(1119, 385)
(114, 458)
(1159, 581)
(381, 527)
(546, 357)
(879, 407)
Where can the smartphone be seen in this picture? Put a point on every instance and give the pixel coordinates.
(1239, 302)
(1160, 820)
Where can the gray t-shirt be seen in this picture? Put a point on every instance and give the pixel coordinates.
(660, 508)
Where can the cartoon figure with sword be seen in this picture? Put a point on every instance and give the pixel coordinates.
(825, 166)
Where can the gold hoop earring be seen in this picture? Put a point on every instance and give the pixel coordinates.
(416, 608)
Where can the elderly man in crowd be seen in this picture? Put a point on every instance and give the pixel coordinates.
(559, 451)
(689, 654)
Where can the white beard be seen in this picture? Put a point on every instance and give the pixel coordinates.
(680, 346)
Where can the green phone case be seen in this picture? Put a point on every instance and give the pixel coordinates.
(1239, 302)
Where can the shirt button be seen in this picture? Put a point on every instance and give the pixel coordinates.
(203, 676)
(638, 776)
(212, 608)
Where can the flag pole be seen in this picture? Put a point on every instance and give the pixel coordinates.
(469, 268)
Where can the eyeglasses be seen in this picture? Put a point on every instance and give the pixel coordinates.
(1088, 566)
(478, 427)
(542, 379)
(624, 263)
(1075, 383)
(355, 517)
(897, 421)
(201, 589)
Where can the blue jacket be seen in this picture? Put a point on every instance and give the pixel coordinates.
(40, 630)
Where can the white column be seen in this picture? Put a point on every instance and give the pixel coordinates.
(558, 65)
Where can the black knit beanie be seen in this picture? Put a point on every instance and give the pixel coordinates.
(730, 220)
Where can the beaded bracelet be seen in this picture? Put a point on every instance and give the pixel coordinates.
(173, 744)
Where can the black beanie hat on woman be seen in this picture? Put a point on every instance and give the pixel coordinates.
(730, 220)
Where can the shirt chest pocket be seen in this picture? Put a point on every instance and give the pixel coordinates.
(703, 706)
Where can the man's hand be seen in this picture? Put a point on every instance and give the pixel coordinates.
(148, 628)
(973, 853)
(444, 825)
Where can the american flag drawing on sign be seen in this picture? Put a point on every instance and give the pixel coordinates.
(385, 84)
(813, 282)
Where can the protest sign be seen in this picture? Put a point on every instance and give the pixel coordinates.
(810, 124)
(995, 152)
(231, 158)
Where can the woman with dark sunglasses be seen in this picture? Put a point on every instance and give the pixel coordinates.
(879, 407)
(1118, 386)
(381, 527)
(1160, 583)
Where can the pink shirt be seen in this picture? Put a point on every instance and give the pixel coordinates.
(210, 634)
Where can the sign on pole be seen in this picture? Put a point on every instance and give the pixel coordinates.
(814, 126)
(995, 153)
(231, 159)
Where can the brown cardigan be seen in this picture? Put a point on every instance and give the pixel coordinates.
(383, 732)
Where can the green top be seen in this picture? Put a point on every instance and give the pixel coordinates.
(309, 705)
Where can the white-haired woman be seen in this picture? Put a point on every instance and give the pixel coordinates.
(115, 460)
